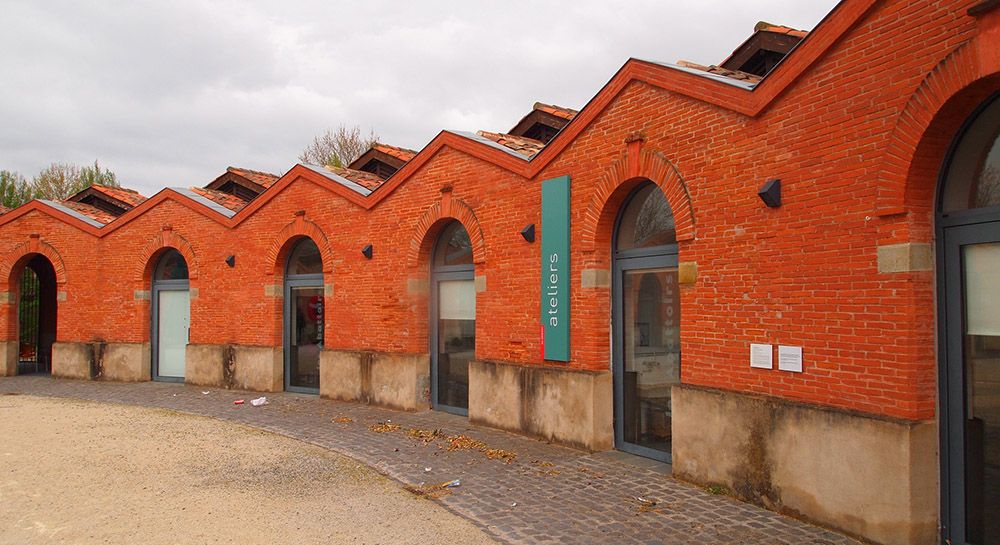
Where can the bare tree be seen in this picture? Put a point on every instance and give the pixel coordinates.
(59, 181)
(988, 187)
(338, 148)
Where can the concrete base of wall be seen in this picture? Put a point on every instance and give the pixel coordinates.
(8, 358)
(872, 477)
(203, 364)
(398, 381)
(257, 368)
(126, 362)
(569, 407)
(71, 360)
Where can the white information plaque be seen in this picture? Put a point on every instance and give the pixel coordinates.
(790, 358)
(761, 356)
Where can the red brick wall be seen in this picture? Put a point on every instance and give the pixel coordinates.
(804, 274)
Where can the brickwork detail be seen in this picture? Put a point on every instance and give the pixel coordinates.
(34, 245)
(957, 71)
(855, 122)
(300, 227)
(167, 238)
(448, 208)
(627, 171)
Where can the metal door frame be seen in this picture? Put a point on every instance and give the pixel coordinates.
(298, 281)
(621, 266)
(953, 230)
(154, 332)
(439, 274)
(655, 257)
(951, 364)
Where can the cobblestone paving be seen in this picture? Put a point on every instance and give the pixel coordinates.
(547, 494)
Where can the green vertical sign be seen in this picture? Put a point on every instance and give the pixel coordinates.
(555, 269)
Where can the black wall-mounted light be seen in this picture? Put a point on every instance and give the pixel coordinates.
(231, 261)
(770, 193)
(367, 251)
(529, 233)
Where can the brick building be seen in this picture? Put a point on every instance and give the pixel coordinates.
(778, 273)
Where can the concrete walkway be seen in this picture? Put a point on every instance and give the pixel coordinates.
(518, 489)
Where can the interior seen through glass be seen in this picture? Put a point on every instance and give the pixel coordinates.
(454, 246)
(305, 258)
(651, 314)
(973, 176)
(171, 266)
(456, 340)
(982, 382)
(647, 221)
(306, 336)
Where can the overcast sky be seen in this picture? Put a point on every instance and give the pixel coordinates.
(171, 93)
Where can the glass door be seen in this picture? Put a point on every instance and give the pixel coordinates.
(647, 350)
(455, 340)
(304, 333)
(972, 301)
(173, 327)
(171, 313)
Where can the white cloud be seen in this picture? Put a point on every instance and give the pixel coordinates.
(172, 93)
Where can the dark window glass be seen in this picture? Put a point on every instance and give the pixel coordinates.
(171, 267)
(652, 355)
(306, 342)
(454, 246)
(973, 178)
(980, 263)
(305, 258)
(647, 220)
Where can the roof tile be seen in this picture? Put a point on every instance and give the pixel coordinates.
(403, 154)
(364, 179)
(764, 26)
(231, 202)
(264, 179)
(90, 211)
(718, 70)
(558, 111)
(529, 147)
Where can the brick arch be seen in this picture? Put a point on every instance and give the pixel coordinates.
(300, 227)
(445, 209)
(925, 111)
(34, 245)
(166, 239)
(628, 172)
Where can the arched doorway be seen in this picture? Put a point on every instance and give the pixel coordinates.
(968, 229)
(303, 317)
(646, 323)
(36, 316)
(171, 312)
(453, 319)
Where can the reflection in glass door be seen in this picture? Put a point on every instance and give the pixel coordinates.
(453, 319)
(650, 357)
(646, 324)
(304, 317)
(456, 341)
(973, 300)
(969, 331)
(305, 337)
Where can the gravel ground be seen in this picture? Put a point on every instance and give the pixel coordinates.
(81, 472)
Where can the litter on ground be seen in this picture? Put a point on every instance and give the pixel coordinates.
(383, 427)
